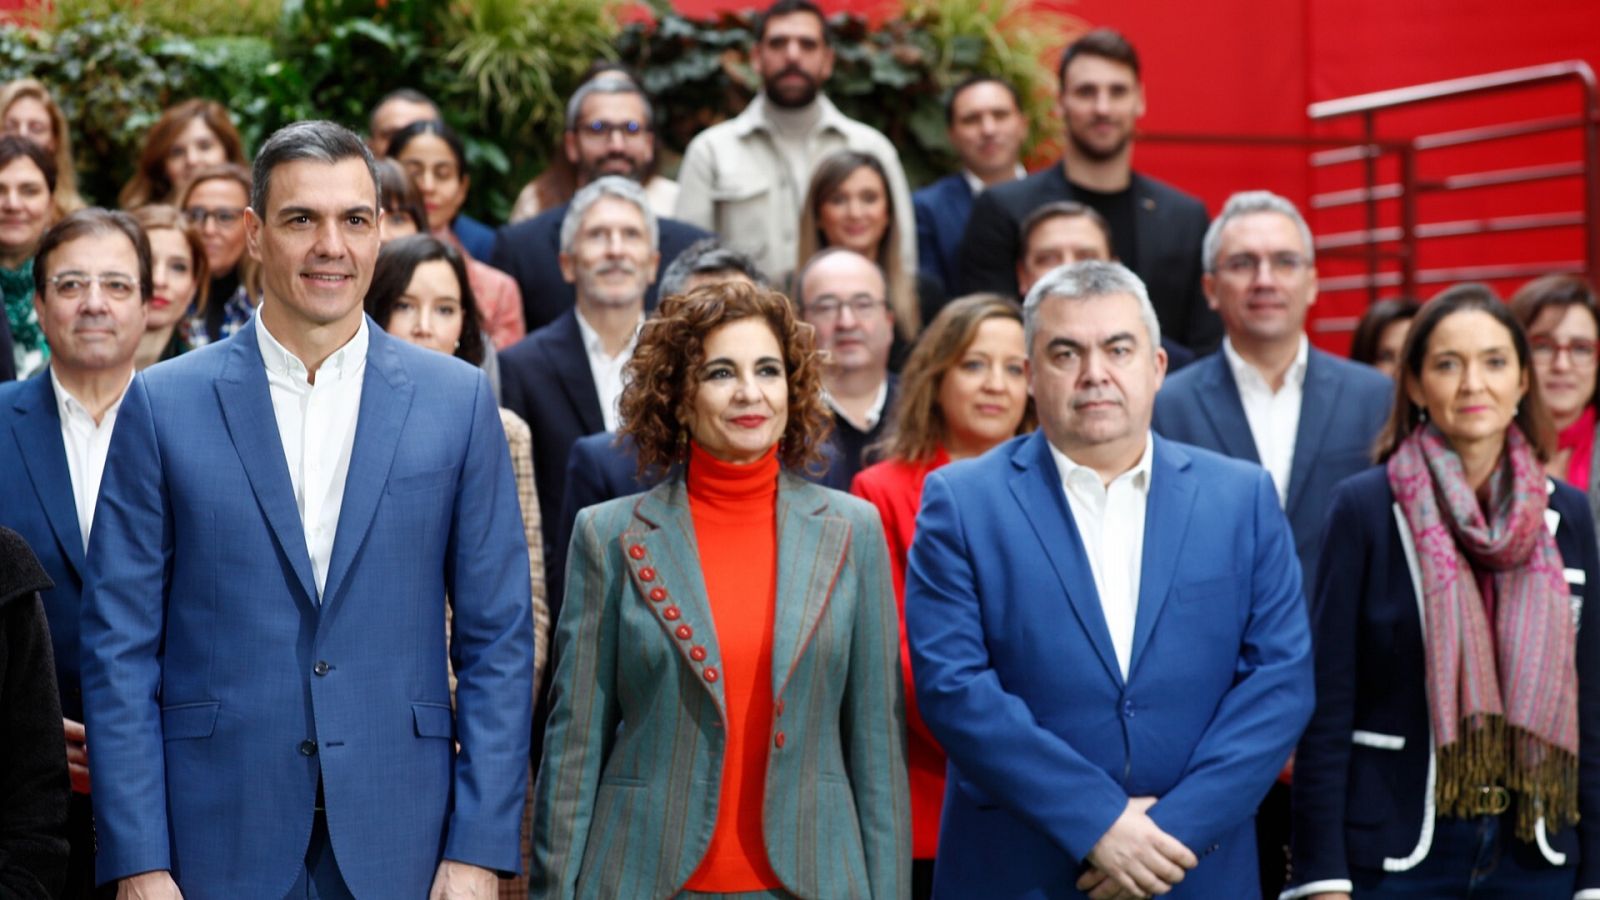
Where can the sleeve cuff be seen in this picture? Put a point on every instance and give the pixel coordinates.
(1587, 894)
(1344, 885)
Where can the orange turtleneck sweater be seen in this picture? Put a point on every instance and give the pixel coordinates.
(734, 509)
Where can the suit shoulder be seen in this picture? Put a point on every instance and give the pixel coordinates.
(1568, 500)
(609, 518)
(1167, 194)
(530, 351)
(1185, 381)
(1024, 194)
(1352, 372)
(195, 368)
(677, 231)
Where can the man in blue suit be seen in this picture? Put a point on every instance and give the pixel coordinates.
(986, 128)
(92, 286)
(282, 519)
(1106, 630)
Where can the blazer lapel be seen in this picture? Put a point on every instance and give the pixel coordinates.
(385, 400)
(570, 361)
(812, 546)
(1168, 507)
(1319, 403)
(1223, 409)
(247, 408)
(38, 433)
(1038, 491)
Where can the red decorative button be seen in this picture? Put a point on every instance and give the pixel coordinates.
(698, 654)
(658, 594)
(647, 574)
(636, 551)
(778, 740)
(670, 614)
(711, 674)
(685, 632)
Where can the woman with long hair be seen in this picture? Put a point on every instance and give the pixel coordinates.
(213, 202)
(27, 182)
(28, 110)
(1563, 323)
(1381, 333)
(181, 278)
(188, 136)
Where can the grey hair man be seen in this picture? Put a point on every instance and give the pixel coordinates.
(708, 260)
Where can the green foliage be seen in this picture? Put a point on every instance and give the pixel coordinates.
(191, 18)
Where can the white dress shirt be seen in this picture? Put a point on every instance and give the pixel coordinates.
(86, 444)
(874, 412)
(607, 370)
(1274, 416)
(976, 185)
(317, 426)
(1110, 520)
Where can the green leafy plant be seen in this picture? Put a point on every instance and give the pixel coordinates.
(191, 18)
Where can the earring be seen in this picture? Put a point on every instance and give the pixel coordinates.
(1422, 414)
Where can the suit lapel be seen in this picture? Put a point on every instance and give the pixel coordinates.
(1168, 507)
(570, 361)
(1038, 491)
(663, 532)
(385, 400)
(811, 555)
(1222, 408)
(247, 408)
(1319, 400)
(38, 434)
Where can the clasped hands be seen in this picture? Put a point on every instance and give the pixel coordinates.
(1135, 858)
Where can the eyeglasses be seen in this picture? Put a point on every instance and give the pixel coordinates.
(74, 285)
(828, 307)
(1246, 265)
(225, 215)
(1581, 351)
(604, 130)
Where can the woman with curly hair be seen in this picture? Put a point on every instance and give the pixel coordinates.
(727, 714)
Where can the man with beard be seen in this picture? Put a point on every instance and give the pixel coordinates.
(609, 132)
(1155, 228)
(746, 178)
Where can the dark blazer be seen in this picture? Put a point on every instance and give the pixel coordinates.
(528, 251)
(8, 360)
(1363, 773)
(36, 501)
(626, 800)
(1171, 226)
(1343, 406)
(477, 237)
(1017, 678)
(942, 209)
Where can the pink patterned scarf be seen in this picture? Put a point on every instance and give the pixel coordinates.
(1503, 703)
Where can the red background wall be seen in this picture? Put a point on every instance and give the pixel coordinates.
(1252, 66)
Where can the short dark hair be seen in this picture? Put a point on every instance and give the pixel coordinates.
(391, 276)
(974, 81)
(409, 95)
(790, 7)
(14, 147)
(319, 141)
(1106, 43)
(1553, 292)
(86, 222)
(1059, 209)
(1379, 316)
(400, 193)
(704, 257)
(1405, 416)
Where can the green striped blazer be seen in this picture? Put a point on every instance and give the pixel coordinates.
(627, 795)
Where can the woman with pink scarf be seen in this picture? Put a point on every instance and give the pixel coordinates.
(1455, 748)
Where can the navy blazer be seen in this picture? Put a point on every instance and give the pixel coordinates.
(36, 502)
(1342, 407)
(477, 237)
(1017, 679)
(942, 209)
(528, 251)
(1363, 780)
(1170, 226)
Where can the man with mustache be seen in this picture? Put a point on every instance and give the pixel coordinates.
(92, 288)
(746, 178)
(1155, 228)
(610, 131)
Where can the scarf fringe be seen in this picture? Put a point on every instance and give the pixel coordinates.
(1543, 778)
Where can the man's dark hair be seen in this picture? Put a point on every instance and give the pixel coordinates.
(974, 81)
(14, 147)
(704, 257)
(319, 141)
(1059, 209)
(84, 223)
(789, 7)
(1106, 43)
(409, 95)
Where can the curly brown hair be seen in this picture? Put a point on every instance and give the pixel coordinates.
(672, 346)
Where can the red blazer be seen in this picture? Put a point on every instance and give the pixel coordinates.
(895, 488)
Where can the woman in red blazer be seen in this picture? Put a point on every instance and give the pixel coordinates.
(963, 391)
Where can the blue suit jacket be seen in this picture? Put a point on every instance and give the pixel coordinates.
(220, 692)
(1016, 676)
(1341, 409)
(36, 502)
(477, 237)
(942, 209)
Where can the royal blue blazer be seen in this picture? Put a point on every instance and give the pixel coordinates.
(220, 692)
(1363, 775)
(1016, 676)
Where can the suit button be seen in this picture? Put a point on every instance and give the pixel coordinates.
(670, 614)
(698, 654)
(636, 551)
(1127, 708)
(322, 667)
(711, 674)
(308, 748)
(777, 740)
(684, 632)
(647, 574)
(658, 594)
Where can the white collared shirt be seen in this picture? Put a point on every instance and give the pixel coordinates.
(86, 444)
(1274, 416)
(1110, 520)
(606, 370)
(874, 412)
(317, 426)
(976, 184)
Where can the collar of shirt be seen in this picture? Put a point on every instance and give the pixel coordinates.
(976, 184)
(595, 347)
(1249, 377)
(343, 363)
(70, 410)
(874, 413)
(1076, 477)
(756, 118)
